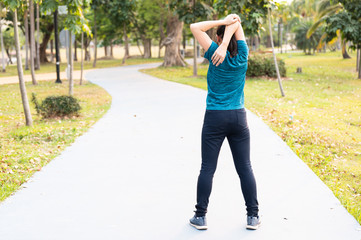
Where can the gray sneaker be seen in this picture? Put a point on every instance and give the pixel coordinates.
(253, 223)
(199, 222)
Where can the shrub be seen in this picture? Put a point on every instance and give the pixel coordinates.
(57, 106)
(259, 66)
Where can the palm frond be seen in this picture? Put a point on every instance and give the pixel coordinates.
(314, 27)
(330, 10)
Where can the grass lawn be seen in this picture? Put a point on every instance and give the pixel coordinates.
(50, 67)
(320, 117)
(24, 150)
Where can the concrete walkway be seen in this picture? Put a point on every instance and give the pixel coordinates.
(133, 176)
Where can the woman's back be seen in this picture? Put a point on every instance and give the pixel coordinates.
(226, 81)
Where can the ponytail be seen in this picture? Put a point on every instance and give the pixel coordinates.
(232, 46)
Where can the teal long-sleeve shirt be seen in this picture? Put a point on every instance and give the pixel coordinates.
(226, 82)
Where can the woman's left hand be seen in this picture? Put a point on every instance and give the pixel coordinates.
(219, 55)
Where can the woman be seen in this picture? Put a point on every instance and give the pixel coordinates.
(225, 114)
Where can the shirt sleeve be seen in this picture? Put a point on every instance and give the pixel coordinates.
(208, 55)
(242, 50)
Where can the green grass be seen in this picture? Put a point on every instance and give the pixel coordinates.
(25, 150)
(50, 67)
(320, 117)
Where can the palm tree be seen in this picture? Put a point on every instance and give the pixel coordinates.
(274, 54)
(324, 10)
(24, 97)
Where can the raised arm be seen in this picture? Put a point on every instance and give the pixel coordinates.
(220, 54)
(199, 29)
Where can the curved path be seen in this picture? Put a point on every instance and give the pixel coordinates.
(133, 176)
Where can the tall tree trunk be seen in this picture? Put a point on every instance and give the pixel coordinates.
(344, 49)
(359, 63)
(281, 36)
(82, 58)
(7, 50)
(87, 56)
(274, 54)
(38, 37)
(44, 44)
(358, 60)
(126, 45)
(52, 50)
(105, 51)
(140, 50)
(184, 35)
(147, 43)
(162, 35)
(32, 41)
(75, 51)
(172, 55)
(95, 40)
(286, 38)
(24, 97)
(195, 72)
(26, 22)
(2, 47)
(111, 49)
(71, 84)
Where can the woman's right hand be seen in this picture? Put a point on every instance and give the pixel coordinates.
(231, 18)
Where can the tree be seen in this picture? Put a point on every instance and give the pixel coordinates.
(75, 22)
(32, 41)
(348, 22)
(2, 40)
(193, 11)
(325, 9)
(9, 42)
(26, 27)
(95, 6)
(47, 28)
(172, 42)
(304, 43)
(273, 51)
(37, 66)
(13, 5)
(122, 12)
(147, 17)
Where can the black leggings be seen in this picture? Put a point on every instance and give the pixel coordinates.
(217, 125)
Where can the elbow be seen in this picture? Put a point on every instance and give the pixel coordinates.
(192, 27)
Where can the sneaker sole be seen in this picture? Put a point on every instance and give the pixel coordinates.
(199, 227)
(253, 227)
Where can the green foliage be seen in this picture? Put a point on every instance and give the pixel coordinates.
(147, 18)
(57, 106)
(304, 43)
(8, 36)
(251, 12)
(349, 23)
(121, 12)
(259, 66)
(74, 20)
(189, 13)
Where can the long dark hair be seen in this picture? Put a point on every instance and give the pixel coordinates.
(232, 46)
